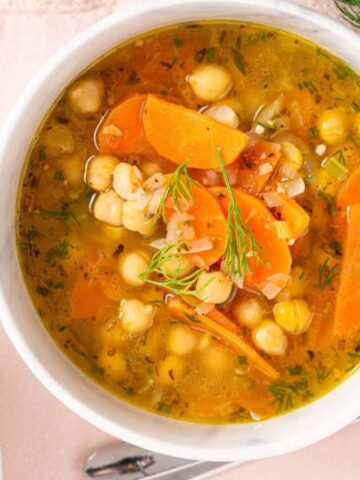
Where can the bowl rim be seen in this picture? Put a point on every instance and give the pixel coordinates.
(54, 385)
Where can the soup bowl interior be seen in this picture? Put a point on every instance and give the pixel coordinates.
(120, 419)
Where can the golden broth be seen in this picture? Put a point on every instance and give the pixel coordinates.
(59, 239)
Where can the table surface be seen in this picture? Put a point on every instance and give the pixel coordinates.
(41, 439)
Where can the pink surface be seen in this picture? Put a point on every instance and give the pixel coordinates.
(40, 439)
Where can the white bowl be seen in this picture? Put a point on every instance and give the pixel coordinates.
(207, 442)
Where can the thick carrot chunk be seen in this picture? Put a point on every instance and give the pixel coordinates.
(178, 134)
(261, 223)
(347, 316)
(121, 131)
(87, 298)
(349, 193)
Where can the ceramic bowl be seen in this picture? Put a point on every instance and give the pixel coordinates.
(208, 442)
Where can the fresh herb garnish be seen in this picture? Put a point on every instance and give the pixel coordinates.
(59, 175)
(242, 360)
(210, 54)
(330, 202)
(341, 71)
(178, 187)
(97, 371)
(322, 373)
(327, 273)
(293, 371)
(283, 393)
(239, 60)
(240, 242)
(355, 106)
(162, 407)
(155, 274)
(307, 84)
(313, 132)
(238, 42)
(178, 43)
(64, 214)
(132, 79)
(60, 250)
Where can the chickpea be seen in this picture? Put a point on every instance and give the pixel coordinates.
(270, 338)
(214, 287)
(291, 156)
(108, 208)
(333, 126)
(58, 140)
(126, 179)
(181, 340)
(134, 219)
(133, 264)
(171, 369)
(223, 114)
(150, 168)
(178, 266)
(73, 168)
(217, 359)
(99, 172)
(211, 83)
(114, 365)
(293, 316)
(111, 335)
(85, 95)
(249, 312)
(136, 316)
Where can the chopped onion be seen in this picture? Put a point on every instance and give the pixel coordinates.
(211, 178)
(179, 227)
(272, 199)
(286, 171)
(199, 245)
(154, 202)
(204, 308)
(265, 169)
(159, 243)
(280, 279)
(275, 284)
(239, 282)
(271, 290)
(296, 187)
(267, 112)
(155, 181)
(198, 261)
(233, 172)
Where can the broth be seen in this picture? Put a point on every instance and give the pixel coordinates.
(81, 249)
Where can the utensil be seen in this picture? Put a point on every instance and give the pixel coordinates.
(122, 460)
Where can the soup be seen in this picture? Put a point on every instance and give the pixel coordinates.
(188, 222)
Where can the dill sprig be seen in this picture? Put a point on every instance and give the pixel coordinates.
(327, 274)
(178, 187)
(240, 242)
(283, 393)
(182, 286)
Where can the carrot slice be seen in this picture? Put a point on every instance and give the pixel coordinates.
(87, 298)
(257, 164)
(186, 313)
(208, 221)
(294, 214)
(178, 134)
(121, 132)
(347, 318)
(261, 223)
(349, 193)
